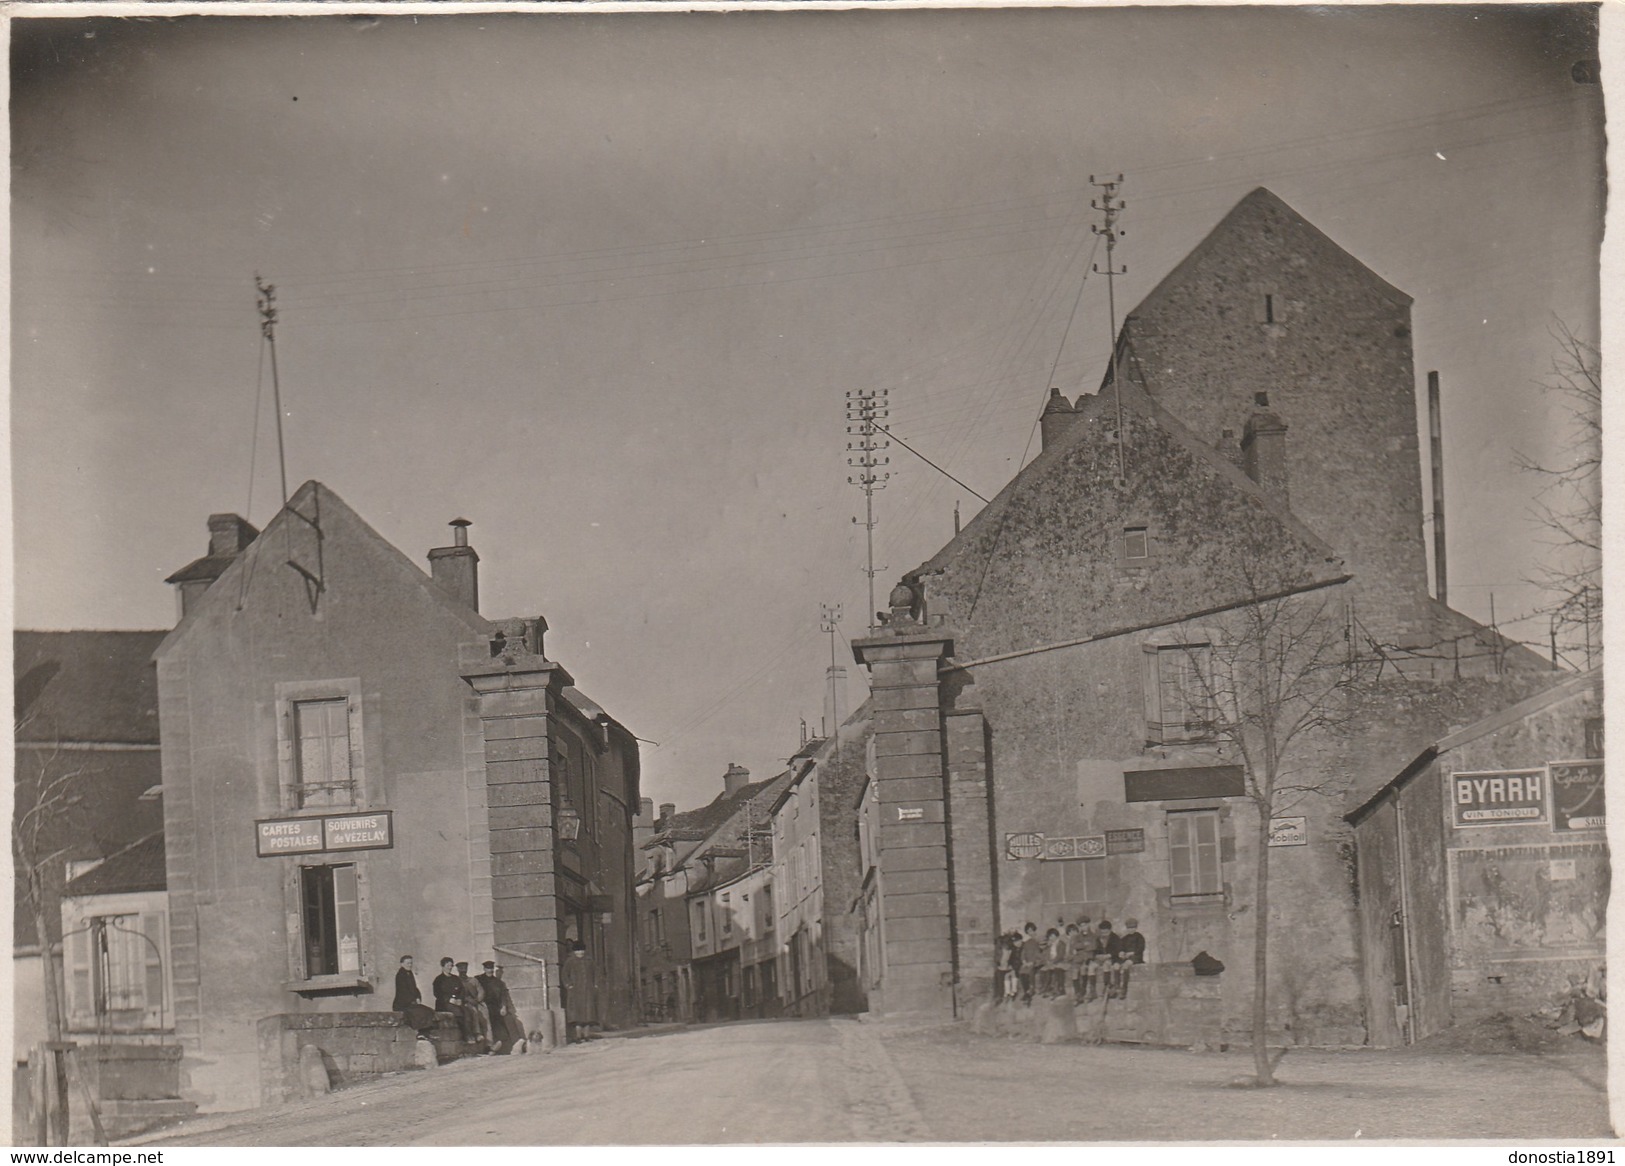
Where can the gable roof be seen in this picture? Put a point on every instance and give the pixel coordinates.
(138, 867)
(315, 507)
(1259, 203)
(86, 686)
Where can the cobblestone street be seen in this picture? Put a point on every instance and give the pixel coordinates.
(842, 1080)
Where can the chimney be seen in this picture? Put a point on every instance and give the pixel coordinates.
(667, 809)
(643, 823)
(456, 568)
(736, 779)
(229, 536)
(1263, 454)
(834, 698)
(1056, 419)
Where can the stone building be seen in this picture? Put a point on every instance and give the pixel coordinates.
(1483, 867)
(683, 969)
(816, 872)
(1041, 747)
(358, 765)
(86, 729)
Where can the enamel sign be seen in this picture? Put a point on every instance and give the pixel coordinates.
(1509, 797)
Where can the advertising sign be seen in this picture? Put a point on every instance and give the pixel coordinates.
(1023, 845)
(359, 831)
(1289, 832)
(292, 836)
(1125, 841)
(1508, 797)
(368, 831)
(1577, 795)
(1085, 846)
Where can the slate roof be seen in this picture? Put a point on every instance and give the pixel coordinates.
(138, 867)
(97, 686)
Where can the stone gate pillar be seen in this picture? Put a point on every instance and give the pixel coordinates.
(904, 661)
(517, 694)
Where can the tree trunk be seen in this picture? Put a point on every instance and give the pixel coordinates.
(57, 1077)
(1261, 939)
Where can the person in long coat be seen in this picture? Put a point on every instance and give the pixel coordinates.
(497, 1003)
(448, 996)
(409, 1001)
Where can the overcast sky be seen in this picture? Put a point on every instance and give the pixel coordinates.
(600, 282)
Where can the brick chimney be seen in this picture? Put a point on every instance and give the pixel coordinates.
(1056, 419)
(1263, 454)
(736, 779)
(457, 568)
(229, 536)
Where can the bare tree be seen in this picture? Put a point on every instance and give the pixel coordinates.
(1569, 504)
(1279, 678)
(49, 797)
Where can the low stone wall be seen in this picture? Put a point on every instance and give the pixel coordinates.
(131, 1072)
(1167, 1005)
(352, 1046)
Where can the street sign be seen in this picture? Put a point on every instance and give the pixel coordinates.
(1289, 832)
(1507, 797)
(1023, 845)
(1577, 795)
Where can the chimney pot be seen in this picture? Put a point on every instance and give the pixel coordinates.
(667, 811)
(456, 568)
(735, 779)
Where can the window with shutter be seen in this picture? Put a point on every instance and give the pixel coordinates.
(322, 737)
(330, 916)
(1179, 705)
(1194, 865)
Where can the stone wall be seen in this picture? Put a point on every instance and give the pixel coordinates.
(353, 1046)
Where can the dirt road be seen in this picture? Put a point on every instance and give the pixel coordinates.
(841, 1080)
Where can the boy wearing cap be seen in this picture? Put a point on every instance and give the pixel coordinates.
(1130, 951)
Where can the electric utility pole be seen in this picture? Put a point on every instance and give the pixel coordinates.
(267, 309)
(828, 618)
(863, 410)
(1110, 206)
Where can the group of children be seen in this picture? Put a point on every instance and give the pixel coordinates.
(1074, 959)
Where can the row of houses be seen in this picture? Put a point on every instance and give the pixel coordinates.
(1060, 725)
(334, 759)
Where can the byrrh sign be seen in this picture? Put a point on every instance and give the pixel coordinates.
(369, 831)
(1506, 797)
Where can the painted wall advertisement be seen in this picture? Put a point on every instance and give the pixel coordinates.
(1509, 797)
(1577, 795)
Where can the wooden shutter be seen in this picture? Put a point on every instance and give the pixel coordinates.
(1151, 677)
(80, 978)
(152, 926)
(347, 919)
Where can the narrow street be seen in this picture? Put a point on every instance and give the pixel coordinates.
(842, 1080)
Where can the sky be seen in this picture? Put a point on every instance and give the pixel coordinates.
(600, 282)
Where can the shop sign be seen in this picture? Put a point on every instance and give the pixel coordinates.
(359, 831)
(1125, 841)
(292, 836)
(1509, 797)
(370, 831)
(1289, 832)
(1577, 795)
(1085, 846)
(1023, 845)
(910, 813)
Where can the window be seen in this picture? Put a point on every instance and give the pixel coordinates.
(1594, 737)
(764, 903)
(1179, 698)
(1193, 854)
(1269, 309)
(329, 910)
(322, 753)
(1072, 883)
(115, 970)
(699, 920)
(727, 915)
(1136, 543)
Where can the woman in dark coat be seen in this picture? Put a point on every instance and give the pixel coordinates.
(409, 1001)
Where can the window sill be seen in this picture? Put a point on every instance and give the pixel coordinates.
(348, 983)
